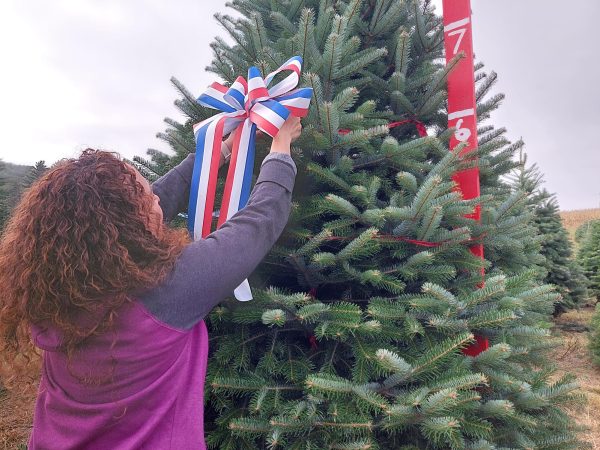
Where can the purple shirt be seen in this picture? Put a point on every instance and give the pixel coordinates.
(154, 400)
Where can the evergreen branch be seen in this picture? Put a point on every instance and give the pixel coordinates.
(440, 80)
(258, 27)
(360, 62)
(225, 22)
(427, 190)
(327, 176)
(426, 361)
(331, 50)
(191, 100)
(491, 319)
(283, 22)
(229, 384)
(420, 26)
(486, 86)
(362, 444)
(375, 17)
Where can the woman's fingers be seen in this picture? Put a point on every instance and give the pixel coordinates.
(291, 126)
(296, 128)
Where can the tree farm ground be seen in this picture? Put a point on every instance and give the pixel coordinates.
(572, 356)
(16, 409)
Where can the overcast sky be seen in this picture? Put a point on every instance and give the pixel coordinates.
(79, 73)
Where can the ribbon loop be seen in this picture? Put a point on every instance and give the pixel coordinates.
(237, 93)
(290, 82)
(247, 105)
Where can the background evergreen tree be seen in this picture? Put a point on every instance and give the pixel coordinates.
(564, 271)
(582, 230)
(36, 171)
(354, 337)
(594, 345)
(589, 256)
(559, 268)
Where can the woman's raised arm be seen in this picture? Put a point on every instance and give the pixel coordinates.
(208, 270)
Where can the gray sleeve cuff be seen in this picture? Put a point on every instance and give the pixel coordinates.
(281, 157)
(279, 168)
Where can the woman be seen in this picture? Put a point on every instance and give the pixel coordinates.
(91, 273)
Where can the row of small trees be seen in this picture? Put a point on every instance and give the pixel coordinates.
(559, 266)
(588, 237)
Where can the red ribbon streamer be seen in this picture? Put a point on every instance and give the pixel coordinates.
(401, 238)
(313, 342)
(311, 338)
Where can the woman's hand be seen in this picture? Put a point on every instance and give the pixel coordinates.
(288, 133)
(229, 140)
(229, 147)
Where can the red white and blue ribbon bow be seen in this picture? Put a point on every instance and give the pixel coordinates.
(245, 106)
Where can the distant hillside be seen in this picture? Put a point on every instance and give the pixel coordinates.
(11, 181)
(13, 173)
(573, 219)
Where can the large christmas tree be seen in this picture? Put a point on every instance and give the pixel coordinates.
(361, 310)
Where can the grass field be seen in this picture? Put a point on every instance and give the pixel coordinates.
(16, 416)
(572, 356)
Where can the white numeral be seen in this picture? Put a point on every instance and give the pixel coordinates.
(461, 134)
(457, 30)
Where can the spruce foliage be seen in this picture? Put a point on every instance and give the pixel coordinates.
(353, 339)
(589, 256)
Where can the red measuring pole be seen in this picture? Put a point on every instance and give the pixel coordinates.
(458, 38)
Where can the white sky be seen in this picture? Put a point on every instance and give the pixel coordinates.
(79, 73)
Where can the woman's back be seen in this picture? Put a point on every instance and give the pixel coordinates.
(156, 387)
(141, 384)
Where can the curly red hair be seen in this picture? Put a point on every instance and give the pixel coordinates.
(79, 241)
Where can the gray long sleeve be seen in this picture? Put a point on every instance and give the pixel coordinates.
(173, 188)
(210, 269)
